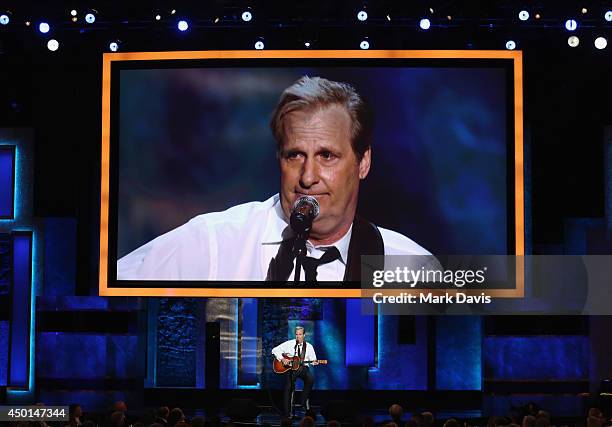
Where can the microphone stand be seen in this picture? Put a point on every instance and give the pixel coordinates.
(299, 248)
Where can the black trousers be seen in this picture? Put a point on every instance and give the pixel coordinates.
(290, 377)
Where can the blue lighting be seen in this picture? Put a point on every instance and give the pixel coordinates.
(7, 181)
(4, 19)
(247, 16)
(360, 348)
(571, 25)
(183, 25)
(23, 244)
(523, 15)
(90, 18)
(425, 24)
(17, 190)
(43, 27)
(608, 16)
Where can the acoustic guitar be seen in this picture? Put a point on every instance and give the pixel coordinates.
(294, 363)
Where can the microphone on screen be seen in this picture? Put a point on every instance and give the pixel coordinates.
(304, 211)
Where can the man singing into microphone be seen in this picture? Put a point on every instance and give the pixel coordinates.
(323, 135)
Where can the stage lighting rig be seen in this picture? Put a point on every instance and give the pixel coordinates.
(571, 25)
(510, 45)
(259, 44)
(182, 25)
(90, 17)
(5, 18)
(247, 15)
(601, 43)
(365, 44)
(523, 15)
(53, 45)
(44, 27)
(425, 24)
(362, 15)
(114, 45)
(573, 41)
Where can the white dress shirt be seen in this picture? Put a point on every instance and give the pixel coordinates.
(288, 347)
(237, 244)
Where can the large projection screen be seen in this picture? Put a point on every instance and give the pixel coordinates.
(187, 134)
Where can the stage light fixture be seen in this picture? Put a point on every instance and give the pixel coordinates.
(73, 12)
(74, 19)
(523, 15)
(259, 44)
(5, 19)
(158, 17)
(573, 41)
(389, 18)
(448, 17)
(425, 24)
(307, 45)
(431, 10)
(608, 16)
(537, 16)
(365, 44)
(571, 25)
(52, 45)
(362, 15)
(247, 16)
(114, 46)
(27, 23)
(173, 11)
(510, 45)
(182, 25)
(601, 43)
(43, 27)
(584, 10)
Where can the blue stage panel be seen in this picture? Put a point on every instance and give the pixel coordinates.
(5, 264)
(20, 314)
(400, 366)
(458, 353)
(82, 356)
(60, 256)
(7, 181)
(4, 337)
(361, 330)
(537, 358)
(248, 342)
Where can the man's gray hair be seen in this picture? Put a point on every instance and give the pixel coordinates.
(300, 328)
(311, 93)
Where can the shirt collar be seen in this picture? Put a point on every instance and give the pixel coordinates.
(277, 229)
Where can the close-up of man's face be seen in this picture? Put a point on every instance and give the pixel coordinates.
(317, 159)
(299, 335)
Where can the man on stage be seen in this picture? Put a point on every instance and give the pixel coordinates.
(297, 347)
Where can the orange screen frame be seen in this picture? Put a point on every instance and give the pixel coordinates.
(519, 208)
